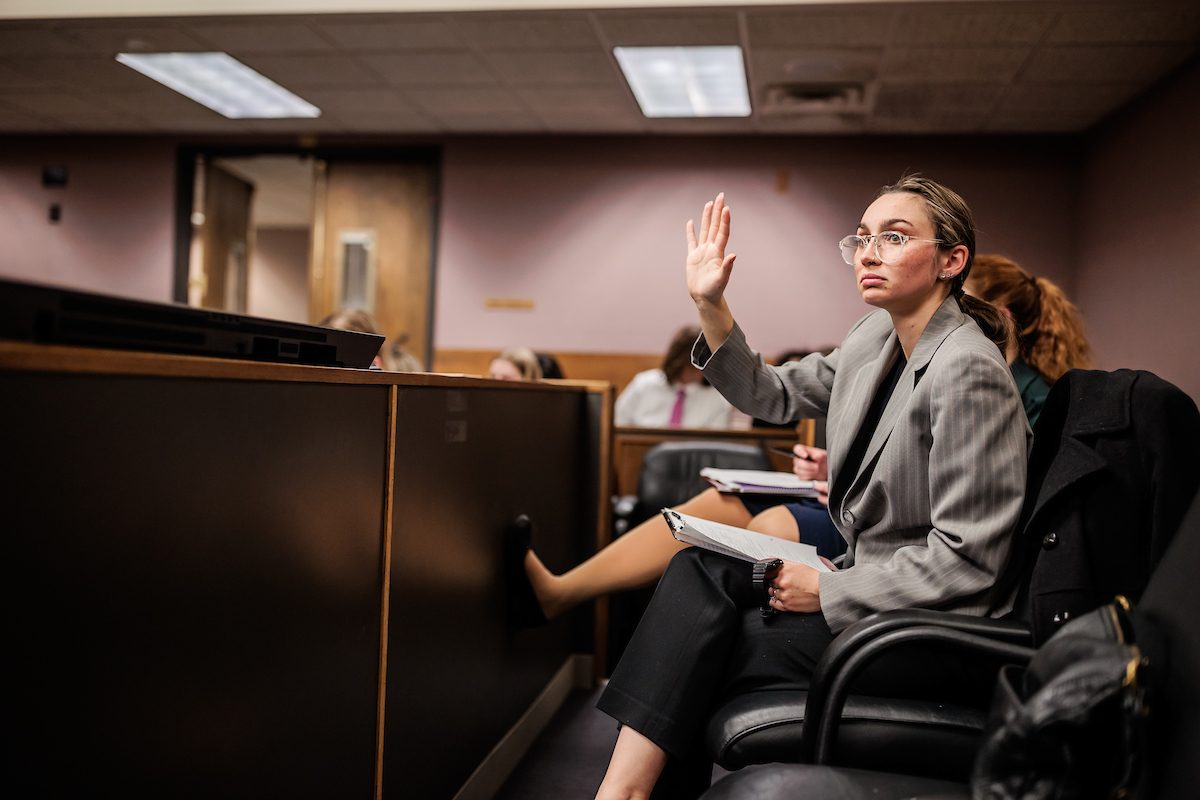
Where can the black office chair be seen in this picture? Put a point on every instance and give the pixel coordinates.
(1112, 471)
(1167, 612)
(670, 475)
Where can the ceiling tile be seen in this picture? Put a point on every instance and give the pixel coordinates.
(1145, 23)
(137, 38)
(570, 67)
(258, 37)
(587, 122)
(810, 27)
(917, 101)
(812, 124)
(436, 69)
(402, 34)
(1084, 100)
(98, 73)
(602, 100)
(1039, 123)
(680, 30)
(25, 39)
(53, 104)
(340, 101)
(483, 100)
(517, 32)
(935, 124)
(408, 122)
(813, 66)
(21, 77)
(1095, 64)
(952, 64)
(158, 102)
(506, 122)
(988, 23)
(298, 72)
(12, 121)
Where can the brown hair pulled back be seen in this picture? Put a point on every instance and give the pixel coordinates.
(1049, 328)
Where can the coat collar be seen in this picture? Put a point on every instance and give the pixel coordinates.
(1085, 404)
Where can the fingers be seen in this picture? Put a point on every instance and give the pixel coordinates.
(691, 235)
(705, 221)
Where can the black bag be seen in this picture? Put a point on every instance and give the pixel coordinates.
(1072, 723)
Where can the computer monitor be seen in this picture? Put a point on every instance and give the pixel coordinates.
(54, 315)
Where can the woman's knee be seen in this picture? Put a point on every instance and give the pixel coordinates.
(777, 521)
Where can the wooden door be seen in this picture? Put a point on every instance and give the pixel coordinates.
(373, 246)
(224, 241)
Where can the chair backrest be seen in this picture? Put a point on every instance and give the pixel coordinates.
(1112, 471)
(671, 471)
(1167, 627)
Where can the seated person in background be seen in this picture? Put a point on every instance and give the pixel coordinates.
(401, 360)
(515, 364)
(550, 366)
(676, 395)
(356, 319)
(1049, 337)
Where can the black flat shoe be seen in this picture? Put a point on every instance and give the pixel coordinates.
(524, 611)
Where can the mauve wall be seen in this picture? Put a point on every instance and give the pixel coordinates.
(118, 209)
(1138, 272)
(593, 230)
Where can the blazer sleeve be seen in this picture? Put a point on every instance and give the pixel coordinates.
(976, 477)
(796, 390)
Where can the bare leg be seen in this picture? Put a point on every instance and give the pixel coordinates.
(634, 767)
(636, 559)
(776, 521)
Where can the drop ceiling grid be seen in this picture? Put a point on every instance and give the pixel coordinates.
(545, 71)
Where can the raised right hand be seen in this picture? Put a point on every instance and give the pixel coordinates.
(708, 267)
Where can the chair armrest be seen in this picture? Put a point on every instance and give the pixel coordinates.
(867, 639)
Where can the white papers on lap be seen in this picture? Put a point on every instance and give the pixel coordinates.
(739, 542)
(757, 481)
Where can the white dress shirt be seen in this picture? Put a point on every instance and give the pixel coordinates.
(649, 398)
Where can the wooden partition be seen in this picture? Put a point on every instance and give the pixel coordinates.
(227, 579)
(630, 446)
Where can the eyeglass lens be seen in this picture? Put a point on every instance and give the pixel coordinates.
(887, 248)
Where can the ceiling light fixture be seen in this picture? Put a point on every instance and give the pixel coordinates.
(686, 81)
(222, 83)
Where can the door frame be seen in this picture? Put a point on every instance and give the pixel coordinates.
(185, 164)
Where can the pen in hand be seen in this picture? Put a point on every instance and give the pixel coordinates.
(790, 453)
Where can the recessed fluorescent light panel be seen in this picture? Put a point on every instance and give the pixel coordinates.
(686, 81)
(222, 83)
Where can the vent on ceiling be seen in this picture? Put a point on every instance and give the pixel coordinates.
(818, 98)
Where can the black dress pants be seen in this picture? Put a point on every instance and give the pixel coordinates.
(702, 639)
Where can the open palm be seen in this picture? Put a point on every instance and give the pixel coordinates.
(708, 267)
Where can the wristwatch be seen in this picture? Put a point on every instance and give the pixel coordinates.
(761, 575)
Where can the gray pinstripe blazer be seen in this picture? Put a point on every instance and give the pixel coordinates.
(930, 515)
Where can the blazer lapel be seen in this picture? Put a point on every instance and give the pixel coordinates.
(947, 318)
(858, 401)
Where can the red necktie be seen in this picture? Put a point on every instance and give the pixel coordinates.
(676, 420)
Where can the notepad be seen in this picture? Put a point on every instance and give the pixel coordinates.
(738, 542)
(757, 481)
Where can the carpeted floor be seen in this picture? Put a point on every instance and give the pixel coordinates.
(567, 762)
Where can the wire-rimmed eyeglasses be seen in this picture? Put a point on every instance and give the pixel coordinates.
(889, 245)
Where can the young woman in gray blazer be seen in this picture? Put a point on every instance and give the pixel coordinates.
(927, 449)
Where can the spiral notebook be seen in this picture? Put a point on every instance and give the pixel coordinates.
(756, 481)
